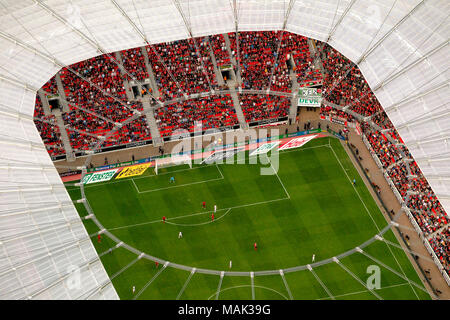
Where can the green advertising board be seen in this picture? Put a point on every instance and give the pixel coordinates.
(99, 176)
(309, 97)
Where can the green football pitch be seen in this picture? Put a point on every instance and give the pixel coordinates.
(310, 207)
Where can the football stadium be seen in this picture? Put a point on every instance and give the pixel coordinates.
(224, 150)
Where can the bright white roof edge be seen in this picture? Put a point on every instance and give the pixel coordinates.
(400, 46)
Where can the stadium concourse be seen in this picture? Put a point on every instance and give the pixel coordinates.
(239, 79)
(262, 57)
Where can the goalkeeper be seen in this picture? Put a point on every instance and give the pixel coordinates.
(172, 180)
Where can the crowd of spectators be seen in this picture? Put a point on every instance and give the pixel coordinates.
(281, 79)
(47, 128)
(134, 63)
(344, 84)
(411, 185)
(381, 119)
(205, 113)
(440, 243)
(219, 48)
(178, 68)
(50, 86)
(305, 68)
(257, 55)
(258, 107)
(333, 112)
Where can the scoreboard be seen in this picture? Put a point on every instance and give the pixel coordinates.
(309, 97)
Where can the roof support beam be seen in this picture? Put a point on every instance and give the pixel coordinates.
(394, 76)
(417, 96)
(395, 27)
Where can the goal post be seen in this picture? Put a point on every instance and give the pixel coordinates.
(175, 160)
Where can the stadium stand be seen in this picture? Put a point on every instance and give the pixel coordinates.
(258, 107)
(134, 63)
(49, 132)
(257, 53)
(211, 112)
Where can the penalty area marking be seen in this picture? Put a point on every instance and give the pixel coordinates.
(180, 185)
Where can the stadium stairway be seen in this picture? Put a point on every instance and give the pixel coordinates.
(64, 136)
(150, 73)
(238, 109)
(62, 93)
(313, 51)
(294, 99)
(233, 59)
(44, 101)
(217, 72)
(123, 72)
(151, 122)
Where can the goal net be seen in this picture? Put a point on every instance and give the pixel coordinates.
(172, 161)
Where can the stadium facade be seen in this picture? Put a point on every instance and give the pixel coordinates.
(401, 47)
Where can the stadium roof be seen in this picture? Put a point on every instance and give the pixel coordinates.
(401, 47)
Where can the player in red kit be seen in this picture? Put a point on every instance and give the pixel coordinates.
(212, 217)
(99, 238)
(164, 219)
(156, 264)
(255, 246)
(204, 205)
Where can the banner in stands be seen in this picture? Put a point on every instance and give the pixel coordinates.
(265, 148)
(221, 155)
(133, 171)
(338, 120)
(309, 97)
(358, 128)
(296, 142)
(266, 122)
(99, 176)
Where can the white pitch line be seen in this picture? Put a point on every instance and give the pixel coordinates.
(195, 214)
(181, 185)
(220, 171)
(279, 179)
(365, 291)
